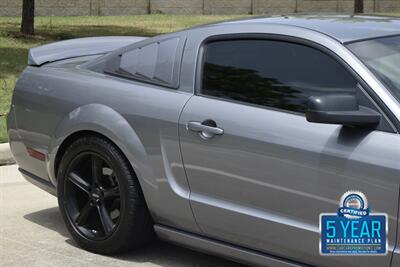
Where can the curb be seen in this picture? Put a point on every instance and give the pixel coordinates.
(6, 158)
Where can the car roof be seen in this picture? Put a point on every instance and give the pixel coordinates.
(344, 28)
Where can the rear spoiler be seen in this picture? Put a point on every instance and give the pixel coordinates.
(77, 48)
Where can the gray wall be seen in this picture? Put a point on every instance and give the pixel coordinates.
(130, 7)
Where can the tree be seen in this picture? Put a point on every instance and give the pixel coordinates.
(28, 17)
(359, 6)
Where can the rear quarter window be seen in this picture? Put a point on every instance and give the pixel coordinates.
(157, 62)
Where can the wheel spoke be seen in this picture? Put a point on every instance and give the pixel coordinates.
(79, 182)
(111, 193)
(84, 214)
(105, 218)
(97, 169)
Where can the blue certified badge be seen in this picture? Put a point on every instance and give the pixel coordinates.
(353, 230)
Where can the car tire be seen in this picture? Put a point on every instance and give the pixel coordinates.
(91, 175)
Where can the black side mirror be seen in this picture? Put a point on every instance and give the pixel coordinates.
(341, 109)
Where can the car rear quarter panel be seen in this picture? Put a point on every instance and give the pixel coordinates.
(52, 103)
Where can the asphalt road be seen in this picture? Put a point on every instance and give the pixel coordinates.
(32, 233)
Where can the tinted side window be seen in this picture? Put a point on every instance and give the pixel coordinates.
(272, 73)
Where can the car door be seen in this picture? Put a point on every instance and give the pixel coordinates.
(260, 174)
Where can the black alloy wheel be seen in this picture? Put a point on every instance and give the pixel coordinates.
(100, 198)
(92, 196)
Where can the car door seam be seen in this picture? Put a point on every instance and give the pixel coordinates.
(183, 164)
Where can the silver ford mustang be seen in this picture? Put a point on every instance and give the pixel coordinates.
(230, 138)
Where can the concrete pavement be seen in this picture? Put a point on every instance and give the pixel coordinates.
(5, 155)
(32, 233)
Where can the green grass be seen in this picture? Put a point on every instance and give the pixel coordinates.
(14, 51)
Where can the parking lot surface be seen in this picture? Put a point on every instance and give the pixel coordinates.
(32, 233)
